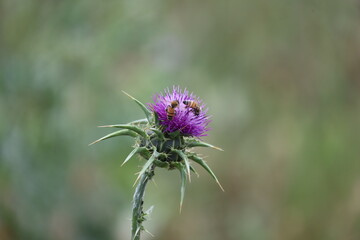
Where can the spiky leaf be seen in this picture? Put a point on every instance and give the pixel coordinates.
(156, 118)
(142, 106)
(136, 233)
(194, 171)
(186, 161)
(174, 135)
(136, 122)
(140, 121)
(124, 132)
(129, 127)
(197, 143)
(202, 163)
(161, 164)
(133, 152)
(158, 133)
(147, 164)
(182, 170)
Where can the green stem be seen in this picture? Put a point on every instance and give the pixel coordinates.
(138, 214)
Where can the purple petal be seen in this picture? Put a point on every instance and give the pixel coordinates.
(184, 120)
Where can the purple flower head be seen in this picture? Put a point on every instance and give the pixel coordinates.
(190, 121)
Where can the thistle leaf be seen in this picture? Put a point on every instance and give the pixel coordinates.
(175, 134)
(158, 133)
(147, 165)
(136, 233)
(140, 121)
(156, 118)
(197, 143)
(202, 163)
(124, 132)
(136, 122)
(161, 164)
(194, 171)
(142, 106)
(133, 152)
(182, 170)
(130, 127)
(186, 161)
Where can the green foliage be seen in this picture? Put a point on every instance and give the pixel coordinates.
(116, 134)
(148, 164)
(146, 111)
(186, 161)
(197, 143)
(140, 150)
(182, 169)
(140, 121)
(202, 163)
(135, 129)
(158, 133)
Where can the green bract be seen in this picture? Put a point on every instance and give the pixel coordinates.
(159, 149)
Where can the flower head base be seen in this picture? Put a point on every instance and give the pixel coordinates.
(188, 116)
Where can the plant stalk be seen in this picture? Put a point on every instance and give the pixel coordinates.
(138, 214)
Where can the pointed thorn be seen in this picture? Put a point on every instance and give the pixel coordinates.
(137, 179)
(149, 233)
(196, 173)
(94, 142)
(128, 95)
(217, 148)
(136, 233)
(105, 126)
(220, 185)
(152, 179)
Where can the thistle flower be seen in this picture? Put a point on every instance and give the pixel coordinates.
(173, 125)
(185, 120)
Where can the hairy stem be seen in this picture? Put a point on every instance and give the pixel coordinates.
(138, 215)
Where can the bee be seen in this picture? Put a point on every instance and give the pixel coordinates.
(170, 109)
(193, 105)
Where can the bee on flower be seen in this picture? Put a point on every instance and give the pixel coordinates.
(190, 123)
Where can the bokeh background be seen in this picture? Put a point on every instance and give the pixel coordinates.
(281, 79)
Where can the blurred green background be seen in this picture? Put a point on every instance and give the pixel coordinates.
(281, 79)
